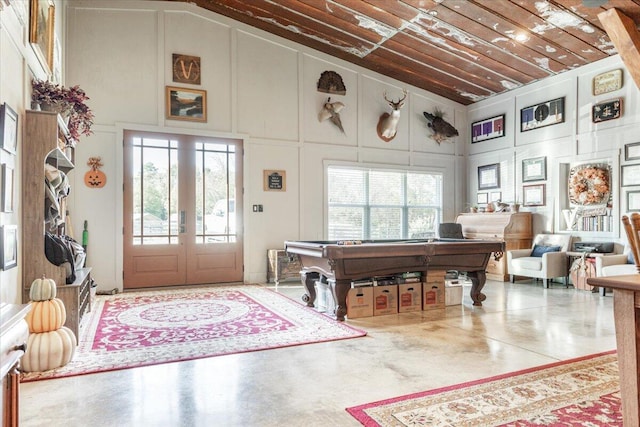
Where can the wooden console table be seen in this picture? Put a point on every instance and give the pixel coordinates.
(626, 308)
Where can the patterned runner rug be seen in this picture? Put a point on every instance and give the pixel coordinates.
(577, 392)
(151, 327)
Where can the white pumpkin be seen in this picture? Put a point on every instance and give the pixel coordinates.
(49, 350)
(42, 289)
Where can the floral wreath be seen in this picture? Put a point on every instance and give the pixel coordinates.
(589, 185)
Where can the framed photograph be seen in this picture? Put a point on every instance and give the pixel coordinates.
(533, 195)
(489, 176)
(274, 180)
(482, 198)
(186, 104)
(9, 246)
(487, 129)
(495, 196)
(607, 82)
(534, 169)
(633, 201)
(608, 110)
(541, 115)
(41, 28)
(632, 151)
(8, 128)
(630, 175)
(7, 188)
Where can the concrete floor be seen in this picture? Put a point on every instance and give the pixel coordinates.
(519, 326)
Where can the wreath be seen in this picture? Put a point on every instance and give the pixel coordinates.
(589, 185)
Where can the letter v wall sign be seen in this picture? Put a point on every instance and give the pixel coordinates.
(186, 69)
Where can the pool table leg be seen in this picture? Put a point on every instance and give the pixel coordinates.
(309, 281)
(340, 289)
(478, 279)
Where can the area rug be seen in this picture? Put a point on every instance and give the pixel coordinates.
(151, 327)
(577, 392)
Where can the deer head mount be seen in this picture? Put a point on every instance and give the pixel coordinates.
(388, 122)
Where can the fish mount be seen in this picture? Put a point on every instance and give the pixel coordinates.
(441, 129)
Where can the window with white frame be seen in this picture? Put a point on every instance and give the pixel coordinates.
(377, 204)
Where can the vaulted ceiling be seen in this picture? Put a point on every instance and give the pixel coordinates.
(463, 50)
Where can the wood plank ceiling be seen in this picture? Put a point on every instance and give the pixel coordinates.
(463, 50)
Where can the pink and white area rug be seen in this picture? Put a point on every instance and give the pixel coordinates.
(578, 392)
(151, 327)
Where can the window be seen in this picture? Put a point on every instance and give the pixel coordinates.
(382, 204)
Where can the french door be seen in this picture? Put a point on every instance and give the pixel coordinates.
(182, 210)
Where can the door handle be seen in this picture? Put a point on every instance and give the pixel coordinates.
(183, 220)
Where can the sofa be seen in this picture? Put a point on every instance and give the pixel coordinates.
(615, 265)
(547, 258)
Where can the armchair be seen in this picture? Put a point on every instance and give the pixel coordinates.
(546, 259)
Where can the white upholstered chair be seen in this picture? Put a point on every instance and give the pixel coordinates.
(546, 259)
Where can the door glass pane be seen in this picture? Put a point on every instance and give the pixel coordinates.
(215, 193)
(155, 191)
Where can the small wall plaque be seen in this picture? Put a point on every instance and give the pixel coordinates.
(607, 110)
(274, 180)
(186, 69)
(607, 82)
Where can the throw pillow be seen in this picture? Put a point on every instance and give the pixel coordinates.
(539, 250)
(630, 258)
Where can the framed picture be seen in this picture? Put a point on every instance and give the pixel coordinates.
(7, 188)
(482, 198)
(630, 175)
(534, 169)
(8, 128)
(633, 201)
(274, 180)
(487, 129)
(608, 110)
(41, 28)
(533, 195)
(607, 82)
(632, 151)
(495, 196)
(489, 176)
(186, 104)
(541, 115)
(9, 246)
(186, 69)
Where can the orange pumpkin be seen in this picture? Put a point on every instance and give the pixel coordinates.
(49, 350)
(95, 178)
(46, 316)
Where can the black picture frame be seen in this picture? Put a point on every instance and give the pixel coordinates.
(6, 201)
(543, 114)
(632, 151)
(491, 128)
(534, 169)
(489, 176)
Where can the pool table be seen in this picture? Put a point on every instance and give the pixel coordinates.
(349, 260)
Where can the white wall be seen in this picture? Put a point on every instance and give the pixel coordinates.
(261, 89)
(575, 141)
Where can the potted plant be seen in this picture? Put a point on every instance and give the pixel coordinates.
(68, 102)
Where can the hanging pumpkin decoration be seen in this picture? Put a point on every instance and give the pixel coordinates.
(95, 178)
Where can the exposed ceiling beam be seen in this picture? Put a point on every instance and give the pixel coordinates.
(625, 37)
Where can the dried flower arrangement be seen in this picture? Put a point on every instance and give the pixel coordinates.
(69, 102)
